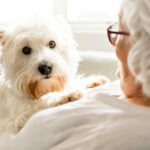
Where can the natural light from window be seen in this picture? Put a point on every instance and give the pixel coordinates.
(12, 10)
(92, 10)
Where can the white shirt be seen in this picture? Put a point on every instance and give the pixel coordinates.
(100, 121)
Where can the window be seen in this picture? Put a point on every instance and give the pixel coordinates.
(87, 15)
(12, 10)
(92, 10)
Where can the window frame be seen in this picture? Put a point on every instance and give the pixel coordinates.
(79, 26)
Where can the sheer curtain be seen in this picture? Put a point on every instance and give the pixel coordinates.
(12, 10)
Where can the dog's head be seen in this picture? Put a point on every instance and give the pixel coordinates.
(38, 58)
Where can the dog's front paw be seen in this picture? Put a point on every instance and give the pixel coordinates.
(95, 81)
(55, 99)
(69, 96)
(73, 96)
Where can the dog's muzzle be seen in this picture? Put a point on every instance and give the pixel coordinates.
(45, 68)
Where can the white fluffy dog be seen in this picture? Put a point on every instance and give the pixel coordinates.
(37, 59)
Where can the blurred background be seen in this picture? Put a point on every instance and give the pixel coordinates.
(88, 19)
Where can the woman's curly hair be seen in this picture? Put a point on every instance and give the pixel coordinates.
(136, 15)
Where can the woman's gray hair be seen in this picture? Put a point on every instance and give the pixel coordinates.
(136, 15)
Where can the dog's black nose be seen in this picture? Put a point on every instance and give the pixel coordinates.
(45, 69)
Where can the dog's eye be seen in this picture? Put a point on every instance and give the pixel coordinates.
(52, 44)
(26, 50)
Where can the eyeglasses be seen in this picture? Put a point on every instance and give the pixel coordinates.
(113, 32)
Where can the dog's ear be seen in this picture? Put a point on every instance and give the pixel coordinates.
(63, 25)
(5, 30)
(65, 28)
(2, 37)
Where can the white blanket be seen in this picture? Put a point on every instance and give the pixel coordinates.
(100, 121)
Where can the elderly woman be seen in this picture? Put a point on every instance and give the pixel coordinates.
(108, 119)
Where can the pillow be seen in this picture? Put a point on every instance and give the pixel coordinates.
(98, 62)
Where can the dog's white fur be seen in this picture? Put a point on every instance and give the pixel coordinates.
(22, 86)
(23, 89)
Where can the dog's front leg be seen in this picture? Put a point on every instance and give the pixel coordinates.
(46, 101)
